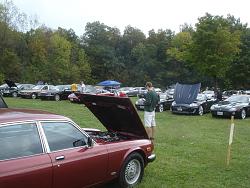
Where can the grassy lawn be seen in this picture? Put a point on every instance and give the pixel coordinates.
(191, 150)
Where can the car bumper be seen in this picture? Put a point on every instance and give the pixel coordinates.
(184, 110)
(224, 113)
(151, 157)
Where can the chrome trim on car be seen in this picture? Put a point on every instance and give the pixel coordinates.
(43, 138)
(151, 157)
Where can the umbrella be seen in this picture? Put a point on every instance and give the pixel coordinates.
(109, 83)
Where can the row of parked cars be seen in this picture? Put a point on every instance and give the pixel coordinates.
(184, 100)
(233, 102)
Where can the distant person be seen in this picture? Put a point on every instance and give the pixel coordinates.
(83, 87)
(73, 88)
(219, 95)
(151, 100)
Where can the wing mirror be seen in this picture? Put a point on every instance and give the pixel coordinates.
(90, 142)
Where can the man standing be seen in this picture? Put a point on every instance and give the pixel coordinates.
(83, 87)
(151, 100)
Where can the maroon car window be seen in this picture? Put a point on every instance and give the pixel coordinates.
(19, 140)
(63, 135)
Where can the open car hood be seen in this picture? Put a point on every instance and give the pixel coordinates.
(10, 83)
(115, 113)
(185, 93)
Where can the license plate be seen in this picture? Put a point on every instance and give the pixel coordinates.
(179, 108)
(220, 113)
(71, 99)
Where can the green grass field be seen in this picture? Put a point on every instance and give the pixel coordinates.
(191, 150)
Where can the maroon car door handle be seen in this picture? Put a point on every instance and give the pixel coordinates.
(58, 158)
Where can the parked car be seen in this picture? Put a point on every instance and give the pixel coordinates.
(42, 150)
(209, 93)
(163, 105)
(2, 88)
(237, 105)
(229, 93)
(33, 93)
(57, 93)
(135, 91)
(14, 91)
(10, 89)
(199, 106)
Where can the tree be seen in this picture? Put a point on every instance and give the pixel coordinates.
(214, 46)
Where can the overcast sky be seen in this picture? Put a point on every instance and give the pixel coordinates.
(142, 14)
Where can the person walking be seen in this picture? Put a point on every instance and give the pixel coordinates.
(83, 87)
(151, 100)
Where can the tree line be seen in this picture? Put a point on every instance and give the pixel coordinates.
(216, 53)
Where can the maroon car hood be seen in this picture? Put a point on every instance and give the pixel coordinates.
(115, 113)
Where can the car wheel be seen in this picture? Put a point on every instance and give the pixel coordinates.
(33, 96)
(14, 94)
(243, 114)
(132, 170)
(200, 110)
(57, 97)
(160, 108)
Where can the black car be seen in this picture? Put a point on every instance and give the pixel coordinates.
(59, 92)
(237, 105)
(15, 91)
(163, 105)
(10, 89)
(200, 106)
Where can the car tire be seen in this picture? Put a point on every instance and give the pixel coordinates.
(33, 96)
(14, 94)
(57, 97)
(200, 111)
(132, 171)
(243, 114)
(160, 108)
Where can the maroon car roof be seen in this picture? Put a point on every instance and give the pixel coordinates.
(13, 115)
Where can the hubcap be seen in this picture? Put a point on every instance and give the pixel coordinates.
(200, 111)
(243, 114)
(57, 97)
(132, 172)
(33, 96)
(161, 108)
(14, 94)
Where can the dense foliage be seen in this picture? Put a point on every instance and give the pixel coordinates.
(215, 53)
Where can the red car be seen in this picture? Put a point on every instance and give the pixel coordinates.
(44, 150)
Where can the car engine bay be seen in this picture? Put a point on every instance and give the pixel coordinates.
(107, 136)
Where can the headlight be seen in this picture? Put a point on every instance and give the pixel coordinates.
(233, 109)
(193, 105)
(136, 102)
(212, 107)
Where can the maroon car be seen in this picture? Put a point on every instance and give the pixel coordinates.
(44, 150)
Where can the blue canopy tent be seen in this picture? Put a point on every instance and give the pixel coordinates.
(110, 85)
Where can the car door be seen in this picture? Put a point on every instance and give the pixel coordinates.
(22, 160)
(75, 164)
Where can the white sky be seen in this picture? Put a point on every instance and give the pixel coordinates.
(142, 14)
